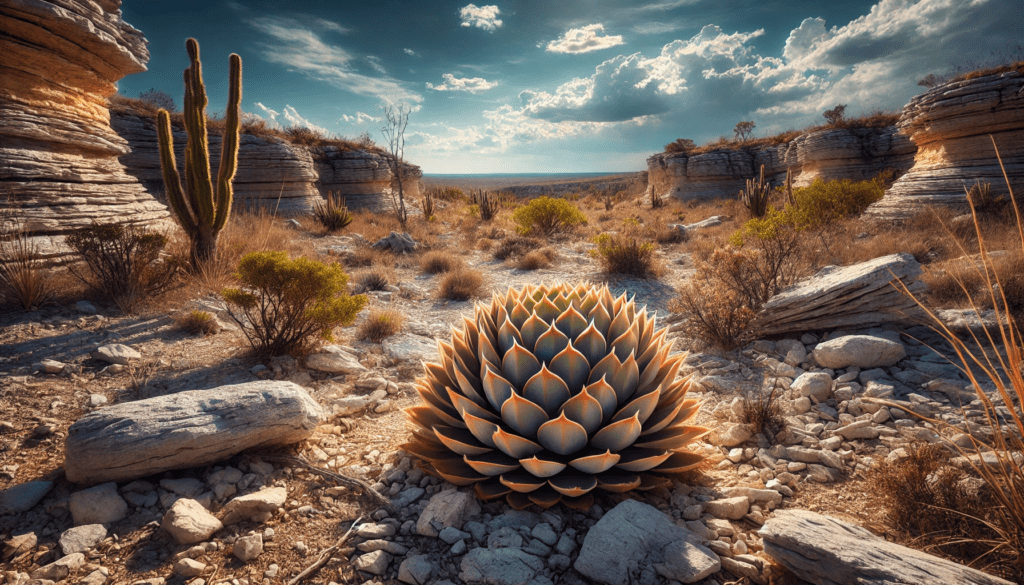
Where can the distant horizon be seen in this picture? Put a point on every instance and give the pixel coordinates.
(559, 174)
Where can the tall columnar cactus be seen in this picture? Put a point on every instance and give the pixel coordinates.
(553, 392)
(201, 207)
(755, 198)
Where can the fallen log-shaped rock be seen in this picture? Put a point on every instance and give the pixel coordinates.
(188, 429)
(859, 295)
(827, 551)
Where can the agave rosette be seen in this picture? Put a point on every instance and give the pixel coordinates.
(531, 400)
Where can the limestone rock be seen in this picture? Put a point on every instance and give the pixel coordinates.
(97, 505)
(861, 351)
(951, 124)
(728, 508)
(363, 178)
(247, 548)
(80, 539)
(827, 551)
(406, 346)
(397, 243)
(188, 568)
(634, 539)
(416, 570)
(187, 429)
(816, 384)
(250, 506)
(61, 568)
(499, 566)
(375, 562)
(116, 353)
(448, 508)
(189, 522)
(859, 295)
(334, 360)
(24, 496)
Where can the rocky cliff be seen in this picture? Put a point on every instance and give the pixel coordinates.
(272, 172)
(58, 153)
(951, 125)
(854, 153)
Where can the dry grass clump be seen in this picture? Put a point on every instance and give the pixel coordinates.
(461, 284)
(513, 247)
(374, 278)
(24, 276)
(484, 244)
(366, 256)
(713, 313)
(537, 259)
(762, 411)
(629, 251)
(198, 322)
(379, 325)
(439, 261)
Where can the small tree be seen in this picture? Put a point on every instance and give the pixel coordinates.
(931, 80)
(680, 145)
(158, 98)
(834, 117)
(744, 130)
(396, 118)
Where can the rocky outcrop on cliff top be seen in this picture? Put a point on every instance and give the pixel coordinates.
(950, 125)
(62, 59)
(272, 172)
(844, 153)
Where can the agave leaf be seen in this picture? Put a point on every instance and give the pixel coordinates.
(466, 406)
(672, 438)
(544, 497)
(618, 435)
(573, 483)
(456, 471)
(650, 366)
(571, 323)
(486, 324)
(636, 459)
(483, 430)
(491, 463)
(603, 392)
(490, 489)
(662, 417)
(572, 367)
(532, 329)
(429, 449)
(595, 464)
(518, 501)
(591, 344)
(585, 410)
(618, 303)
(679, 462)
(601, 319)
(620, 324)
(542, 467)
(513, 445)
(643, 407)
(626, 344)
(496, 389)
(651, 482)
(580, 504)
(523, 416)
(666, 374)
(466, 356)
(546, 390)
(622, 376)
(618, 482)
(460, 441)
(518, 315)
(546, 310)
(677, 390)
(519, 365)
(488, 355)
(562, 302)
(562, 436)
(508, 336)
(549, 344)
(470, 385)
(438, 375)
(427, 417)
(443, 409)
(522, 482)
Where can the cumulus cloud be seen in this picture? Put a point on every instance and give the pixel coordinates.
(584, 40)
(470, 84)
(485, 17)
(292, 116)
(411, 52)
(299, 48)
(360, 118)
(270, 114)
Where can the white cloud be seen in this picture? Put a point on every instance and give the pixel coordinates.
(411, 52)
(298, 48)
(665, 6)
(295, 119)
(485, 17)
(470, 84)
(268, 112)
(584, 40)
(657, 28)
(360, 118)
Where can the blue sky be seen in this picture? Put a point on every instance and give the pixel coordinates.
(568, 86)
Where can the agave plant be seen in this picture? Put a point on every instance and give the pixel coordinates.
(552, 392)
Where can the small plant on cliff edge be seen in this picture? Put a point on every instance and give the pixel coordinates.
(744, 130)
(547, 216)
(834, 117)
(286, 306)
(204, 208)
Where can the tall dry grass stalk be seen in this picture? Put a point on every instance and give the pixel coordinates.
(24, 274)
(998, 460)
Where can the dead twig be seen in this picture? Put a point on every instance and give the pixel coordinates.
(349, 482)
(325, 554)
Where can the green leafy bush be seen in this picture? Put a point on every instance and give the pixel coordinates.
(824, 202)
(547, 216)
(287, 306)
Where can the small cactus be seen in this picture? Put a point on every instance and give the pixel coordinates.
(755, 197)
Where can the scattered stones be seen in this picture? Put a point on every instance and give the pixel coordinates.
(728, 508)
(817, 385)
(334, 360)
(48, 366)
(188, 568)
(416, 570)
(409, 347)
(24, 496)
(375, 562)
(397, 243)
(257, 506)
(98, 505)
(19, 544)
(247, 548)
(80, 539)
(861, 351)
(499, 566)
(731, 435)
(188, 522)
(61, 568)
(448, 508)
(116, 353)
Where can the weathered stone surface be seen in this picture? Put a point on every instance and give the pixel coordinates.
(406, 346)
(636, 538)
(416, 570)
(79, 539)
(265, 501)
(375, 562)
(62, 60)
(447, 508)
(189, 522)
(116, 353)
(187, 429)
(827, 551)
(97, 505)
(862, 351)
(822, 154)
(334, 360)
(950, 125)
(816, 384)
(24, 496)
(728, 508)
(859, 295)
(247, 548)
(499, 566)
(397, 243)
(362, 178)
(61, 568)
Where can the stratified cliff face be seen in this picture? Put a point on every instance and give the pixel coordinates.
(827, 154)
(272, 173)
(951, 125)
(58, 154)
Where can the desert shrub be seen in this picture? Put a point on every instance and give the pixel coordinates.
(123, 262)
(713, 313)
(536, 259)
(427, 204)
(824, 202)
(331, 213)
(461, 284)
(762, 411)
(449, 194)
(682, 145)
(379, 325)
(484, 244)
(762, 259)
(25, 278)
(547, 216)
(439, 261)
(514, 246)
(286, 306)
(198, 322)
(366, 256)
(486, 204)
(835, 116)
(301, 135)
(376, 278)
(158, 99)
(629, 251)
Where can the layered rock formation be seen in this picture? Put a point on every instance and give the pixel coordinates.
(62, 59)
(950, 125)
(856, 153)
(272, 173)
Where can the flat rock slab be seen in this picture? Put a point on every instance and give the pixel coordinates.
(116, 353)
(827, 551)
(23, 497)
(188, 429)
(407, 346)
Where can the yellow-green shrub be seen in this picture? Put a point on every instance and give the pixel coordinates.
(545, 215)
(823, 202)
(289, 305)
